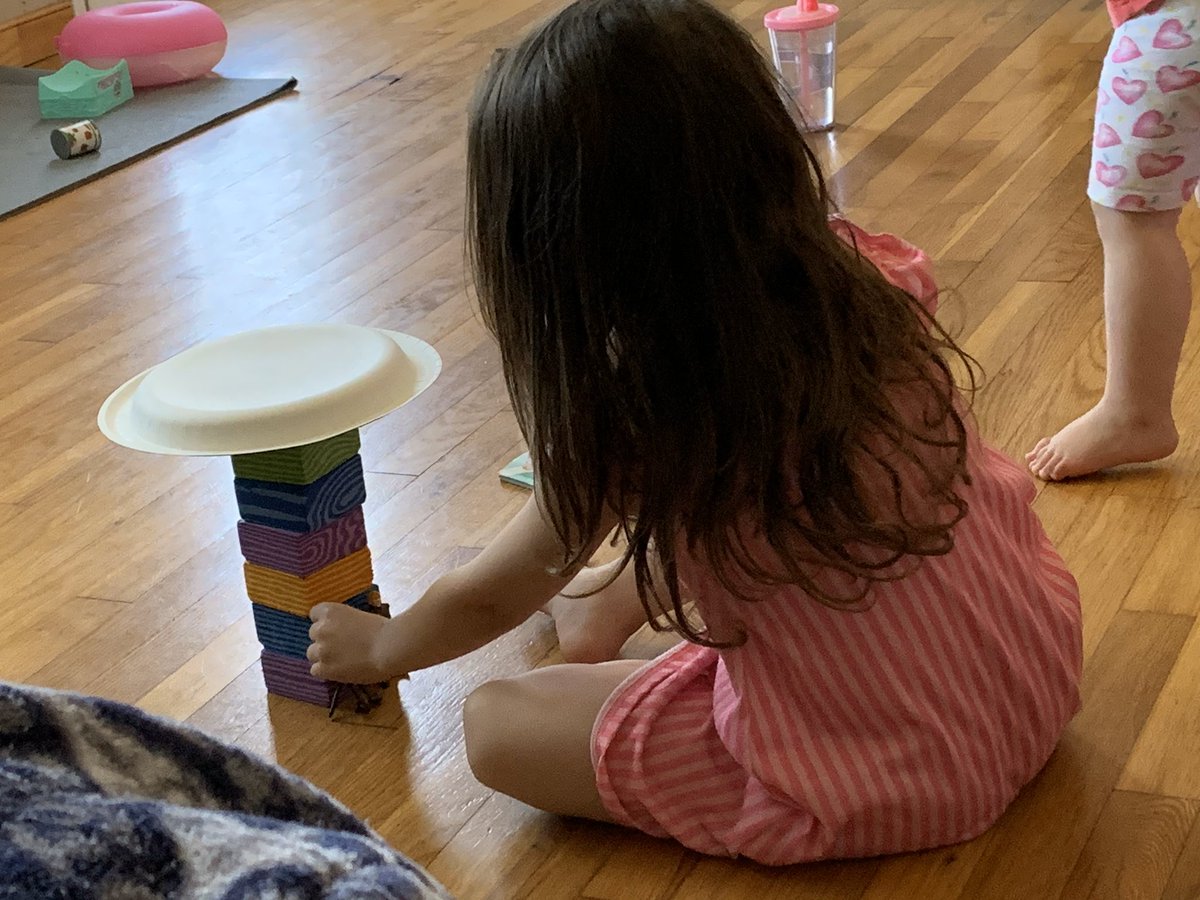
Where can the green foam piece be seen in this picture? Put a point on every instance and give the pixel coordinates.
(77, 91)
(298, 465)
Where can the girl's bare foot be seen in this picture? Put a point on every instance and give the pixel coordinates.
(1101, 439)
(585, 633)
(593, 628)
(1147, 300)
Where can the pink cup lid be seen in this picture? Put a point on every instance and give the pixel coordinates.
(803, 16)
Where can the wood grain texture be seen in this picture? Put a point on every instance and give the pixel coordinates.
(964, 126)
(1185, 878)
(1133, 849)
(1166, 759)
(27, 30)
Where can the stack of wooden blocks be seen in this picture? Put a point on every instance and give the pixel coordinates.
(305, 542)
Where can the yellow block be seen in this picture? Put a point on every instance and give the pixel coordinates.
(335, 583)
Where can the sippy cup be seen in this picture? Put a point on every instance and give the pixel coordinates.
(804, 47)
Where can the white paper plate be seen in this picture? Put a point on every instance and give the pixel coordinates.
(268, 389)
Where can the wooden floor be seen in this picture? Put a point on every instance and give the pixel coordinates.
(966, 128)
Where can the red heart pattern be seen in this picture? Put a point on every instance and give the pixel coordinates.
(1151, 124)
(1110, 176)
(1172, 78)
(1171, 36)
(1132, 202)
(1127, 49)
(1154, 165)
(1130, 92)
(1189, 188)
(1106, 136)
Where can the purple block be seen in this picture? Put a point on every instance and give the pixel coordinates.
(303, 554)
(290, 678)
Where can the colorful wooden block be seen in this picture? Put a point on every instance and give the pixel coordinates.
(298, 465)
(287, 634)
(300, 553)
(290, 677)
(347, 577)
(303, 508)
(282, 640)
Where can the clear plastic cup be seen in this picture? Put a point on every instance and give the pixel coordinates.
(804, 48)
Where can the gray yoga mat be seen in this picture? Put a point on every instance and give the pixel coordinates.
(154, 118)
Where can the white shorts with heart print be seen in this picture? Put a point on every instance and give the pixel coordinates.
(1146, 147)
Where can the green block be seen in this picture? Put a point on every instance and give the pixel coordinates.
(77, 91)
(298, 465)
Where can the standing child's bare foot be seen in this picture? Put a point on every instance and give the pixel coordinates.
(1101, 439)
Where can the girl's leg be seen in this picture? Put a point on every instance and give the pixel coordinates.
(593, 628)
(1145, 165)
(1147, 298)
(531, 736)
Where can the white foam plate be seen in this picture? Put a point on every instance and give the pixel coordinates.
(268, 389)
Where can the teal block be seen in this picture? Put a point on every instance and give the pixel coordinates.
(77, 91)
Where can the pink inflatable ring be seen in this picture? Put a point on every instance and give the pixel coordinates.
(163, 41)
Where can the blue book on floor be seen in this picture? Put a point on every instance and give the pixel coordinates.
(518, 472)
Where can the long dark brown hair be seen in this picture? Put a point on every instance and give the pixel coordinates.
(683, 337)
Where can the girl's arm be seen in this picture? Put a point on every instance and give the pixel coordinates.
(463, 610)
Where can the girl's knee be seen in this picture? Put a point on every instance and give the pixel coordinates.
(1120, 224)
(487, 722)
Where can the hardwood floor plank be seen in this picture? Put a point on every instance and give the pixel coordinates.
(963, 125)
(1164, 583)
(1052, 359)
(865, 87)
(1109, 540)
(207, 673)
(926, 107)
(489, 850)
(130, 626)
(1062, 257)
(1133, 848)
(713, 879)
(566, 871)
(1185, 879)
(640, 870)
(934, 875)
(235, 710)
(1164, 761)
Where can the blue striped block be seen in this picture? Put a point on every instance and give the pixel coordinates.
(286, 634)
(303, 507)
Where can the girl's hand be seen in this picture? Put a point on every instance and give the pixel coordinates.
(348, 645)
(515, 575)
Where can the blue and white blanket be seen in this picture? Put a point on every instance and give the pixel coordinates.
(99, 800)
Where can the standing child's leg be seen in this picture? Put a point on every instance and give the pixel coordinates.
(1147, 297)
(1145, 166)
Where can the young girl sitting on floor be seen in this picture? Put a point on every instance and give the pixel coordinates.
(887, 646)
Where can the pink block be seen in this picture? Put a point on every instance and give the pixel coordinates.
(290, 678)
(303, 554)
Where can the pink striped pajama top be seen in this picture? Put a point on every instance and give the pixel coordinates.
(910, 724)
